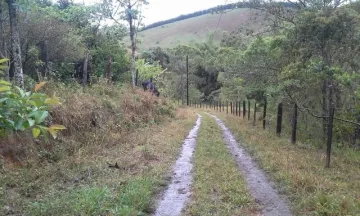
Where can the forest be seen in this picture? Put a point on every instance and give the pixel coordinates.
(75, 126)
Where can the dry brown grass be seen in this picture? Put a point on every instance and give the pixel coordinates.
(132, 128)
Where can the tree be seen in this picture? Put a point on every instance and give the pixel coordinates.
(3, 46)
(15, 43)
(131, 13)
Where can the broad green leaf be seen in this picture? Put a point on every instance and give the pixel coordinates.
(3, 82)
(32, 103)
(12, 123)
(4, 88)
(33, 113)
(36, 103)
(31, 122)
(20, 125)
(3, 60)
(52, 101)
(39, 85)
(40, 116)
(3, 99)
(21, 91)
(36, 132)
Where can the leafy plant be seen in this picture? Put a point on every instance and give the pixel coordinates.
(21, 110)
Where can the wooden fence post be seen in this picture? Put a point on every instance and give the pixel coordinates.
(254, 113)
(279, 119)
(236, 108)
(329, 135)
(264, 114)
(187, 80)
(248, 110)
(294, 124)
(244, 109)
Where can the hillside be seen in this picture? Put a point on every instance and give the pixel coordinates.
(198, 29)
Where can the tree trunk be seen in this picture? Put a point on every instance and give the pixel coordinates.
(44, 58)
(133, 46)
(3, 47)
(15, 43)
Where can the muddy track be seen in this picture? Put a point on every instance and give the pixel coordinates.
(178, 192)
(260, 188)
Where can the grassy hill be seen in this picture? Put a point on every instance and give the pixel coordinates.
(198, 29)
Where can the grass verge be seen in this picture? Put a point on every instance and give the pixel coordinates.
(218, 187)
(71, 176)
(299, 170)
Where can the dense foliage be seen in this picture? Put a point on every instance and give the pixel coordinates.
(55, 37)
(309, 57)
(21, 110)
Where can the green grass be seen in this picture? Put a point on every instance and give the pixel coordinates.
(218, 187)
(198, 29)
(299, 170)
(133, 198)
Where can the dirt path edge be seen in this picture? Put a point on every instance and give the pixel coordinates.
(259, 187)
(178, 192)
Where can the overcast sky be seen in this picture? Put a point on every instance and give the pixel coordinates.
(159, 10)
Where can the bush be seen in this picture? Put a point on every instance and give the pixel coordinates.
(21, 110)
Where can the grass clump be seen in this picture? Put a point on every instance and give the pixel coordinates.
(299, 170)
(218, 188)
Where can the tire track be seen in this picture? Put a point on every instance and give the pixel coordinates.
(178, 192)
(260, 188)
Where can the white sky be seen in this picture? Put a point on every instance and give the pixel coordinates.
(159, 10)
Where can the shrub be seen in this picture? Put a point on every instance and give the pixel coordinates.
(21, 110)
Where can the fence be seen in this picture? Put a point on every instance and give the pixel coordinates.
(235, 109)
